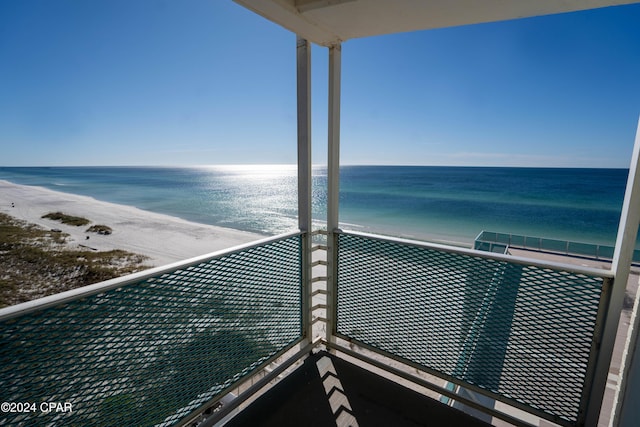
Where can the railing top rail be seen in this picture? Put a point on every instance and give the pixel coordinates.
(491, 236)
(572, 268)
(85, 291)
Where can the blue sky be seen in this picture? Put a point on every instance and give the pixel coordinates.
(120, 82)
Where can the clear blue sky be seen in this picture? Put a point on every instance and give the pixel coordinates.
(121, 82)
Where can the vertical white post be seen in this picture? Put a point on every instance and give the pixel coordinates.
(303, 60)
(620, 267)
(303, 57)
(625, 403)
(333, 184)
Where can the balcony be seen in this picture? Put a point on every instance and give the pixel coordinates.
(192, 343)
(355, 329)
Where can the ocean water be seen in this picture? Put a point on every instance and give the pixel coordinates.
(437, 203)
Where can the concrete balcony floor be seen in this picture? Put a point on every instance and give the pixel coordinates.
(328, 391)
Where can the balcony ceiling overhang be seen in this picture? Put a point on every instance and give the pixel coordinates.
(327, 22)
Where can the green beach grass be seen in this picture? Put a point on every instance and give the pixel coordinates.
(35, 262)
(67, 219)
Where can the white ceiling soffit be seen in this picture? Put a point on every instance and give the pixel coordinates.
(326, 22)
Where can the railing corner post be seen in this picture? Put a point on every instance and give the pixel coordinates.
(333, 184)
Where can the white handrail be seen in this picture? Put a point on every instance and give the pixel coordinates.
(118, 282)
(572, 268)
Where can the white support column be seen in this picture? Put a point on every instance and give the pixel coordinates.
(626, 404)
(333, 169)
(333, 184)
(303, 60)
(620, 267)
(303, 56)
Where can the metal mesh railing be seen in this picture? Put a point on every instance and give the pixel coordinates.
(150, 352)
(603, 252)
(522, 333)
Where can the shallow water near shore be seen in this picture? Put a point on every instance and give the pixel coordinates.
(441, 203)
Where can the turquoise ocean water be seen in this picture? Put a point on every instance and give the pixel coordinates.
(442, 203)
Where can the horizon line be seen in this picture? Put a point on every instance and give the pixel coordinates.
(314, 165)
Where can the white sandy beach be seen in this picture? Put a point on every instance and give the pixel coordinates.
(163, 238)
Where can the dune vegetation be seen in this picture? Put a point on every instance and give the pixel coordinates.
(35, 262)
(67, 219)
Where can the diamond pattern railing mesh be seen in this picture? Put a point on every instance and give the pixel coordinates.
(149, 353)
(521, 332)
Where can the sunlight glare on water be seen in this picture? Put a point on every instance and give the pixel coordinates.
(260, 197)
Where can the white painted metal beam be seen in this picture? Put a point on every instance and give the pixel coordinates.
(303, 60)
(627, 401)
(333, 185)
(620, 267)
(333, 168)
(303, 65)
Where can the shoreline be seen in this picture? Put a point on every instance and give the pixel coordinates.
(164, 239)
